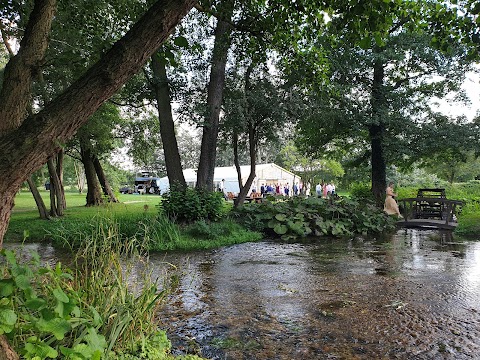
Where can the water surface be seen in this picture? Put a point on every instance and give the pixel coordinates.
(415, 295)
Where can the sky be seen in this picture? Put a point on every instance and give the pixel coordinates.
(472, 88)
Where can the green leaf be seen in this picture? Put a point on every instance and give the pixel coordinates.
(181, 42)
(95, 341)
(40, 350)
(35, 303)
(281, 217)
(280, 229)
(56, 326)
(6, 287)
(22, 281)
(365, 43)
(60, 295)
(10, 256)
(8, 317)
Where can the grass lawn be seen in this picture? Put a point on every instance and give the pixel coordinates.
(135, 215)
(25, 218)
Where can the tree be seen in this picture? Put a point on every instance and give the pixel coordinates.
(206, 166)
(453, 143)
(36, 137)
(161, 88)
(311, 170)
(380, 94)
(254, 114)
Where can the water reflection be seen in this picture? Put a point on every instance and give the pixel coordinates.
(413, 295)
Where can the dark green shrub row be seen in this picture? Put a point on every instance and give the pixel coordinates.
(189, 205)
(300, 217)
(361, 191)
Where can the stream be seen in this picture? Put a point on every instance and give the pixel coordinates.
(414, 295)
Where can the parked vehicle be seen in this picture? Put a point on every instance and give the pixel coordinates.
(126, 189)
(141, 189)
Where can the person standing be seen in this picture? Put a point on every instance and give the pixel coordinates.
(391, 207)
(295, 189)
(318, 190)
(221, 187)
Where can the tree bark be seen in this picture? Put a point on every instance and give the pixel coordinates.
(107, 189)
(377, 133)
(15, 94)
(94, 195)
(236, 160)
(161, 87)
(206, 166)
(59, 170)
(42, 209)
(6, 351)
(56, 188)
(252, 140)
(80, 174)
(26, 142)
(379, 174)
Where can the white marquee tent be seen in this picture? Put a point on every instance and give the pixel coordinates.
(265, 174)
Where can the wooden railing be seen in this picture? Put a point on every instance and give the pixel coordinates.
(434, 208)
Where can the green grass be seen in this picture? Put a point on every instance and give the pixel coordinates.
(25, 219)
(135, 216)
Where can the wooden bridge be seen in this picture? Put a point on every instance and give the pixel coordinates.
(430, 208)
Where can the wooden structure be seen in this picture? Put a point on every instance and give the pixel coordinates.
(430, 208)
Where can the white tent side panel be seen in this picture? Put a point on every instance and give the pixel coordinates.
(265, 174)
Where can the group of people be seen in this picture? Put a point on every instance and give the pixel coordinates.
(279, 189)
(325, 189)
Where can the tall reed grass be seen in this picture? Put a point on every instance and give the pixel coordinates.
(112, 272)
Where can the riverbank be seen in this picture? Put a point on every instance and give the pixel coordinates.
(135, 216)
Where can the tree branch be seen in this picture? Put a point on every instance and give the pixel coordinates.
(21, 69)
(5, 40)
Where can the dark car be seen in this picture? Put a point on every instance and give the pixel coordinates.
(125, 189)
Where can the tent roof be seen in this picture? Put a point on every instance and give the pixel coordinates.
(229, 173)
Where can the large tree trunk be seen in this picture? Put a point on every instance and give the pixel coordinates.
(59, 169)
(26, 142)
(42, 209)
(94, 195)
(377, 132)
(252, 141)
(161, 86)
(6, 351)
(57, 196)
(107, 189)
(378, 163)
(80, 174)
(206, 166)
(236, 160)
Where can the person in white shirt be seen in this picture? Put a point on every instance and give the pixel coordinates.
(318, 190)
(329, 189)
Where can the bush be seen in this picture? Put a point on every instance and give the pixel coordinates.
(300, 217)
(189, 205)
(361, 191)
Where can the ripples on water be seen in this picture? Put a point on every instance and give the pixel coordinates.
(415, 295)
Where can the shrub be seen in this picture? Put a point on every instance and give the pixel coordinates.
(361, 191)
(189, 205)
(300, 217)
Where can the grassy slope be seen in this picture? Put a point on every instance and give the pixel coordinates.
(25, 216)
(25, 223)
